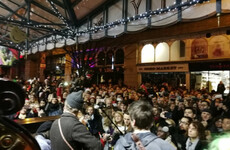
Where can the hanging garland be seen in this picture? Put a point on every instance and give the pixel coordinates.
(144, 15)
(69, 33)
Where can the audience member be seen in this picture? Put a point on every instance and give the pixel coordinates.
(196, 136)
(183, 106)
(68, 132)
(141, 115)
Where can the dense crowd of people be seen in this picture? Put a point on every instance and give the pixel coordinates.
(187, 120)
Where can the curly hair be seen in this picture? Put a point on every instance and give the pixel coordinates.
(200, 129)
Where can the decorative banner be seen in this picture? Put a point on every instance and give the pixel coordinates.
(17, 35)
(199, 49)
(43, 66)
(43, 61)
(219, 47)
(43, 58)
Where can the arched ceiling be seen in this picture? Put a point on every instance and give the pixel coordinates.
(25, 22)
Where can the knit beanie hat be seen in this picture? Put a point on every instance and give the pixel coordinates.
(75, 100)
(207, 110)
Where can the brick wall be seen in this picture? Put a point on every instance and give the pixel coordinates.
(31, 69)
(130, 69)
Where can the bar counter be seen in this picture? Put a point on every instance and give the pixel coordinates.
(32, 124)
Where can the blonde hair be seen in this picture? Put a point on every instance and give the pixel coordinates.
(119, 113)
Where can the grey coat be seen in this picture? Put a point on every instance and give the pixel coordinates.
(75, 133)
(149, 140)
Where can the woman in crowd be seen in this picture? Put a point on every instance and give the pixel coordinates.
(196, 136)
(118, 120)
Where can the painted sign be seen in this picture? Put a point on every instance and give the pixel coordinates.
(164, 68)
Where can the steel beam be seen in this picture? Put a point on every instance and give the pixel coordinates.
(97, 10)
(71, 13)
(23, 6)
(44, 8)
(75, 3)
(19, 7)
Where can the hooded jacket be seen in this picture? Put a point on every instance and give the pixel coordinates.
(149, 140)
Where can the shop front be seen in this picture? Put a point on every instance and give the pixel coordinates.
(176, 75)
(209, 74)
(55, 66)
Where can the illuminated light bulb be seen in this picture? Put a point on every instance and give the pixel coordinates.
(66, 83)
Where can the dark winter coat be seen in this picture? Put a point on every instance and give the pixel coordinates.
(75, 133)
(95, 125)
(220, 88)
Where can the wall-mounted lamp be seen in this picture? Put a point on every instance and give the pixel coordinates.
(228, 32)
(208, 35)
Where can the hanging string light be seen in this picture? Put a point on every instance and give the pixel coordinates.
(59, 15)
(68, 33)
(144, 15)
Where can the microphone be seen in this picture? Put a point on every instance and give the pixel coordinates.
(165, 129)
(100, 105)
(96, 106)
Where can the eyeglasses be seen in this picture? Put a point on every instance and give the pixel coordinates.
(181, 122)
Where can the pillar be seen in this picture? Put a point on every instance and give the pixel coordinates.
(68, 68)
(187, 78)
(130, 68)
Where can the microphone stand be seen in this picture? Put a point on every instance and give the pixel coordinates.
(111, 121)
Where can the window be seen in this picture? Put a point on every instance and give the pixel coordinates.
(55, 65)
(109, 57)
(119, 56)
(101, 58)
(162, 52)
(147, 53)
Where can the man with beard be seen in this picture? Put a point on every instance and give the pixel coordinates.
(69, 133)
(181, 134)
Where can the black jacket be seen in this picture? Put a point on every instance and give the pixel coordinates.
(95, 125)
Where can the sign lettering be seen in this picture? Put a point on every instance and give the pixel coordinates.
(164, 68)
